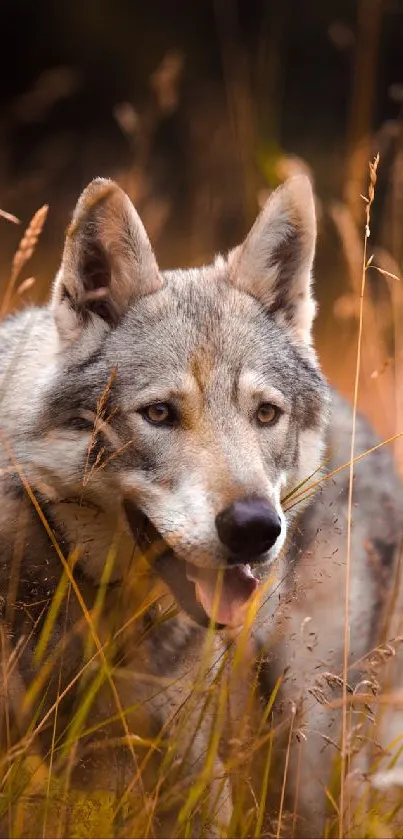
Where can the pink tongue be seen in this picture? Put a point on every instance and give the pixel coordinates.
(226, 598)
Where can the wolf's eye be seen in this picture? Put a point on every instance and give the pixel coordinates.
(267, 414)
(160, 413)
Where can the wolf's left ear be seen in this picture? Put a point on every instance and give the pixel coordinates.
(274, 264)
(107, 262)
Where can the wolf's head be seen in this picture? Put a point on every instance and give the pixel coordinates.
(209, 403)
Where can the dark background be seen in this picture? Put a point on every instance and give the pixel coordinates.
(199, 109)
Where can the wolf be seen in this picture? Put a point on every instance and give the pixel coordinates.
(169, 457)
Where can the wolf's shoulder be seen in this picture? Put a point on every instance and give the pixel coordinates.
(377, 487)
(24, 330)
(374, 453)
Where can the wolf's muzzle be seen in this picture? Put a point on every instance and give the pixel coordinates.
(248, 527)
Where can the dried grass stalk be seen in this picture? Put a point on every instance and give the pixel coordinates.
(25, 285)
(9, 217)
(28, 242)
(376, 351)
(25, 250)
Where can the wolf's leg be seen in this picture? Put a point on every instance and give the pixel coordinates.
(179, 736)
(308, 658)
(193, 742)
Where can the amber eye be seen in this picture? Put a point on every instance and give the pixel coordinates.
(267, 414)
(160, 413)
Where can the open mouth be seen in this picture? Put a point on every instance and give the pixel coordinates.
(208, 595)
(224, 594)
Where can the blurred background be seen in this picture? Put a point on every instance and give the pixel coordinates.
(199, 109)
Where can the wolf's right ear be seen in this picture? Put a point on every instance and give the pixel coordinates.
(107, 261)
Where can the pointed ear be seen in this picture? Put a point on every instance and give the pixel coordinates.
(107, 262)
(274, 264)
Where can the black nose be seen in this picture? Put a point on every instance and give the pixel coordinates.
(249, 526)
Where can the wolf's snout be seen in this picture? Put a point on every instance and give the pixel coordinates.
(249, 526)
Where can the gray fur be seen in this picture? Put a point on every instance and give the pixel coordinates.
(216, 342)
